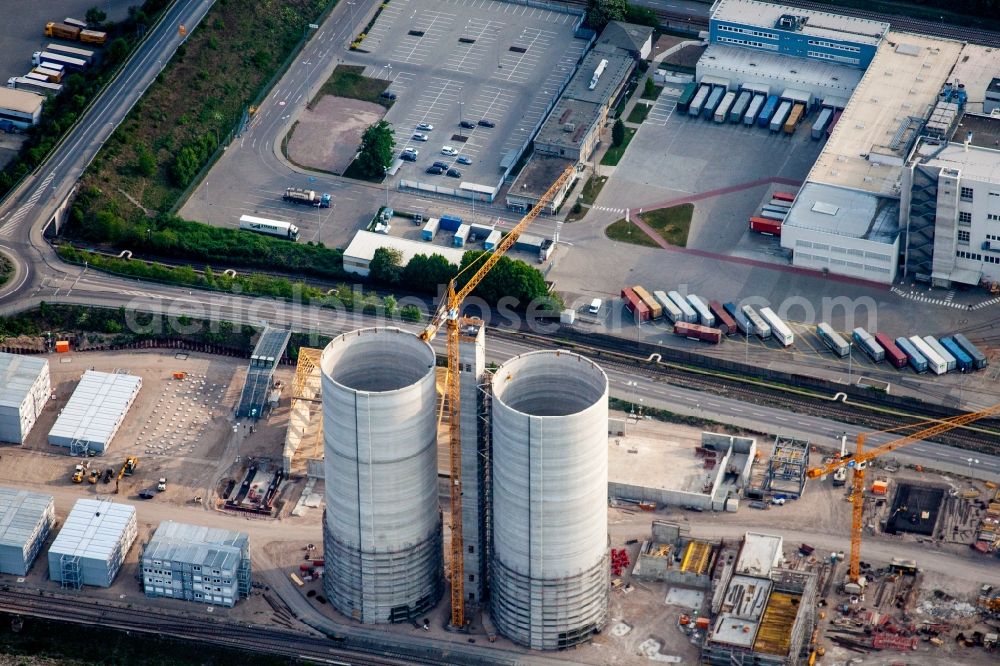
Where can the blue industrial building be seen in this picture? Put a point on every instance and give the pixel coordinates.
(791, 31)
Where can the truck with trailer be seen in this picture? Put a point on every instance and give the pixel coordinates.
(69, 62)
(951, 364)
(832, 340)
(698, 332)
(870, 346)
(819, 127)
(634, 304)
(690, 316)
(753, 110)
(35, 76)
(893, 354)
(780, 115)
(913, 356)
(262, 225)
(760, 327)
(767, 111)
(698, 103)
(670, 309)
(935, 363)
(712, 103)
(962, 360)
(779, 329)
(655, 310)
(742, 323)
(794, 118)
(687, 94)
(34, 86)
(75, 33)
(724, 322)
(740, 106)
(978, 358)
(763, 225)
(705, 316)
(72, 51)
(297, 195)
(722, 111)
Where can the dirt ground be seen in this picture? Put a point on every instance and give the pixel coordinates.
(327, 134)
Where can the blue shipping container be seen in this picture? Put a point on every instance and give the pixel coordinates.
(915, 358)
(764, 119)
(450, 222)
(962, 360)
(978, 359)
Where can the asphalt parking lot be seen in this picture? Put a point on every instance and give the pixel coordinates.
(472, 60)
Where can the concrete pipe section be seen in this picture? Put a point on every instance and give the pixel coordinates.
(382, 527)
(550, 576)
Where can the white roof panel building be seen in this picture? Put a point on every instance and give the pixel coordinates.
(95, 411)
(25, 521)
(93, 543)
(24, 390)
(361, 251)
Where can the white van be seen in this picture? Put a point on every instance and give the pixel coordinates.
(595, 306)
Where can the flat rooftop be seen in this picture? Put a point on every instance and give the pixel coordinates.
(742, 607)
(985, 131)
(976, 69)
(568, 123)
(366, 242)
(819, 24)
(19, 100)
(902, 82)
(758, 554)
(97, 406)
(17, 376)
(21, 512)
(208, 547)
(977, 163)
(654, 457)
(617, 68)
(538, 175)
(845, 212)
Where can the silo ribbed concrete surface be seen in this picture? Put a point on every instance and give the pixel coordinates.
(549, 570)
(382, 527)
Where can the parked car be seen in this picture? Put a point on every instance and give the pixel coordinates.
(419, 136)
(385, 94)
(408, 155)
(454, 173)
(435, 170)
(444, 166)
(426, 127)
(487, 123)
(449, 151)
(462, 159)
(467, 124)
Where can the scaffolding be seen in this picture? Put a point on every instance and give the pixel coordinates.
(787, 466)
(69, 566)
(304, 437)
(265, 358)
(79, 448)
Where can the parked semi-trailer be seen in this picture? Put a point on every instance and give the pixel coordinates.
(760, 327)
(69, 62)
(913, 357)
(33, 86)
(763, 225)
(767, 111)
(35, 76)
(962, 360)
(723, 321)
(833, 122)
(771, 215)
(779, 329)
(655, 310)
(722, 111)
(935, 363)
(756, 104)
(670, 309)
(870, 346)
(978, 358)
(72, 51)
(635, 305)
(740, 106)
(75, 33)
(779, 203)
(819, 127)
(783, 196)
(298, 195)
(780, 210)
(51, 75)
(832, 339)
(698, 103)
(705, 316)
(77, 22)
(779, 117)
(741, 319)
(690, 316)
(893, 353)
(698, 332)
(712, 103)
(950, 364)
(794, 118)
(687, 94)
(263, 225)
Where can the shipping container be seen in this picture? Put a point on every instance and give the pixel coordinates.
(491, 241)
(712, 103)
(935, 363)
(698, 103)
(779, 329)
(756, 104)
(833, 122)
(723, 321)
(794, 118)
(450, 223)
(684, 101)
(766, 111)
(635, 305)
(895, 356)
(690, 316)
(760, 327)
(868, 344)
(978, 358)
(34, 76)
(913, 357)
(655, 310)
(962, 360)
(722, 111)
(430, 229)
(741, 320)
(771, 215)
(51, 75)
(763, 225)
(833, 340)
(779, 210)
(705, 316)
(950, 363)
(670, 309)
(740, 106)
(819, 127)
(778, 203)
(75, 22)
(698, 332)
(461, 235)
(779, 117)
(783, 196)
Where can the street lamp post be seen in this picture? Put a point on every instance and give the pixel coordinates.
(385, 170)
(850, 362)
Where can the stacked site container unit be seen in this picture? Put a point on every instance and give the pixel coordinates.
(754, 108)
(935, 363)
(698, 332)
(962, 360)
(744, 325)
(92, 544)
(25, 386)
(549, 570)
(913, 355)
(95, 411)
(690, 316)
(978, 358)
(833, 340)
(895, 356)
(670, 309)
(740, 106)
(870, 346)
(655, 311)
(949, 360)
(25, 521)
(759, 326)
(724, 321)
(382, 531)
(635, 305)
(705, 316)
(698, 103)
(204, 564)
(779, 329)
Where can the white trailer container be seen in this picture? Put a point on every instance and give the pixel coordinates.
(430, 229)
(72, 51)
(31, 85)
(779, 329)
(760, 327)
(722, 111)
(705, 316)
(690, 316)
(935, 363)
(780, 116)
(69, 62)
(262, 225)
(491, 241)
(756, 104)
(670, 309)
(93, 543)
(949, 360)
(461, 235)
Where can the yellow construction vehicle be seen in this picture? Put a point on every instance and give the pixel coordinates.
(858, 461)
(449, 314)
(79, 471)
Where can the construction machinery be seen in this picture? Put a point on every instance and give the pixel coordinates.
(449, 314)
(858, 461)
(127, 469)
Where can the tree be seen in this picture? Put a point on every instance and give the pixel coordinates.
(145, 161)
(426, 274)
(385, 266)
(375, 151)
(117, 50)
(642, 16)
(600, 12)
(95, 16)
(509, 277)
(618, 133)
(649, 88)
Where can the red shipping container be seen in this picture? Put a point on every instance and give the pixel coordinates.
(634, 304)
(892, 352)
(698, 332)
(724, 322)
(783, 196)
(765, 226)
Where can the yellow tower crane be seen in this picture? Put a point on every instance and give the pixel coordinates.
(858, 461)
(448, 313)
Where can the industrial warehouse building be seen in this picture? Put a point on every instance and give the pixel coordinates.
(196, 563)
(360, 252)
(24, 109)
(25, 521)
(92, 544)
(24, 389)
(95, 411)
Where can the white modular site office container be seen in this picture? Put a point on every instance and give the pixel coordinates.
(92, 544)
(25, 386)
(25, 521)
(95, 411)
